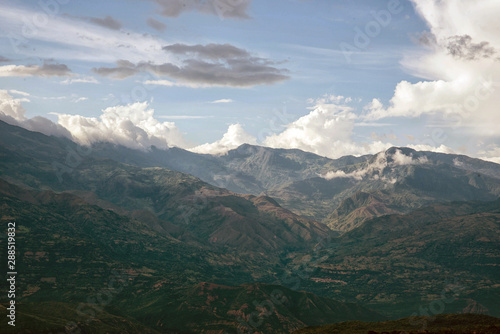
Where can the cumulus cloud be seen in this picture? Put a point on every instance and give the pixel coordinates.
(460, 66)
(12, 112)
(46, 70)
(234, 137)
(203, 66)
(131, 125)
(222, 8)
(326, 131)
(156, 25)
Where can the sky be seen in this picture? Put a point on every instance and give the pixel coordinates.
(332, 77)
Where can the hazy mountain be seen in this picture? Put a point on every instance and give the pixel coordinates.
(248, 169)
(397, 180)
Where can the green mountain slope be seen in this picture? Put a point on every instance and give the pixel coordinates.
(79, 263)
(399, 263)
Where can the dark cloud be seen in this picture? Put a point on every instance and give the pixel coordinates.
(210, 65)
(462, 47)
(236, 9)
(155, 24)
(46, 70)
(426, 38)
(107, 22)
(3, 59)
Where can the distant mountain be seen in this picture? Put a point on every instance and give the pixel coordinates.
(178, 204)
(397, 180)
(247, 169)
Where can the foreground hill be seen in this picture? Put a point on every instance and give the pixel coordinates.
(440, 324)
(85, 266)
(399, 263)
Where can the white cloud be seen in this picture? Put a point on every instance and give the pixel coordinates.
(160, 83)
(490, 153)
(439, 149)
(222, 101)
(85, 79)
(461, 66)
(374, 169)
(18, 92)
(326, 131)
(72, 39)
(234, 137)
(131, 125)
(12, 112)
(184, 117)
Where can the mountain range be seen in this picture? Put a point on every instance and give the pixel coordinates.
(258, 240)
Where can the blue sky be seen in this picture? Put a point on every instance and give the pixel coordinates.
(274, 73)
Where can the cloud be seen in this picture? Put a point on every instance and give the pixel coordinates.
(155, 24)
(204, 66)
(460, 67)
(161, 83)
(209, 51)
(107, 22)
(463, 47)
(84, 79)
(326, 131)
(222, 8)
(375, 168)
(222, 101)
(46, 70)
(12, 112)
(490, 153)
(131, 125)
(183, 117)
(18, 92)
(80, 99)
(3, 59)
(234, 137)
(78, 39)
